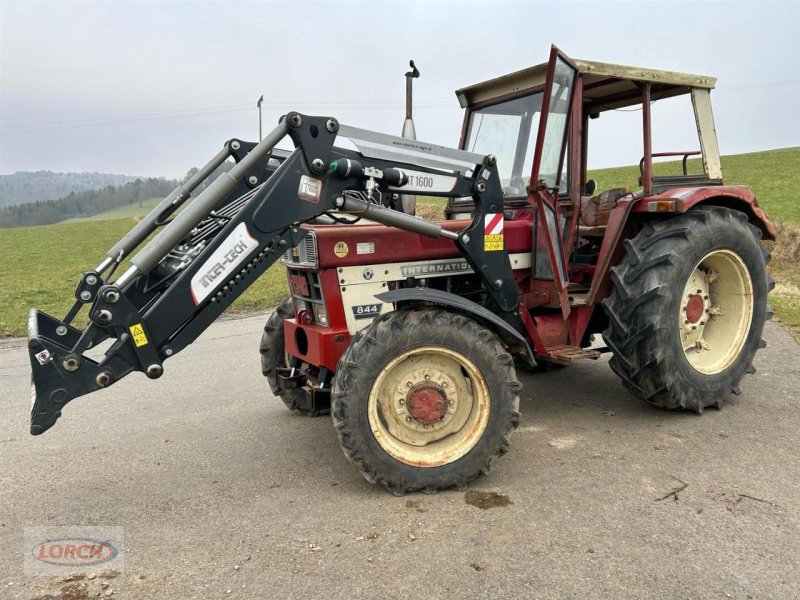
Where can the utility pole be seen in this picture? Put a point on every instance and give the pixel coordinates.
(260, 100)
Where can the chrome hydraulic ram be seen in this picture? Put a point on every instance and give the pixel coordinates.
(149, 223)
(159, 246)
(393, 218)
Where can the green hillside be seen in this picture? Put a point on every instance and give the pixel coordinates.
(774, 175)
(41, 265)
(134, 210)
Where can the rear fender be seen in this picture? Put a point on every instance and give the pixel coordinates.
(737, 197)
(623, 222)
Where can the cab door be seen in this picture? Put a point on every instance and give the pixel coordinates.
(548, 162)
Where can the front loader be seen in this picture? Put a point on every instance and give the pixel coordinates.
(410, 332)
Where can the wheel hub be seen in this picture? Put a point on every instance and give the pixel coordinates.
(427, 403)
(695, 307)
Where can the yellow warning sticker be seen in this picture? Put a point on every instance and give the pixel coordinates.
(137, 333)
(493, 242)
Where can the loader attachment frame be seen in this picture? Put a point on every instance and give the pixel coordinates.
(201, 260)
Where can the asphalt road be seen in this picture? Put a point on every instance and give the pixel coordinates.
(223, 493)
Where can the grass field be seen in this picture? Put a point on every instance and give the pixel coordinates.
(773, 175)
(40, 266)
(128, 211)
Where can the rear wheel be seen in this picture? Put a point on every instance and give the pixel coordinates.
(274, 356)
(688, 308)
(424, 399)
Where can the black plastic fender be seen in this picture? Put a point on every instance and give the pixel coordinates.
(506, 332)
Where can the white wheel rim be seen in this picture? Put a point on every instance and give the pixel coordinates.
(716, 311)
(429, 406)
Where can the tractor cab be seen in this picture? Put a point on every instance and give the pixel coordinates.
(536, 121)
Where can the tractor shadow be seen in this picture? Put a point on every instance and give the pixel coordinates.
(588, 391)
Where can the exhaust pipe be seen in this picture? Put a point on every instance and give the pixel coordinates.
(409, 203)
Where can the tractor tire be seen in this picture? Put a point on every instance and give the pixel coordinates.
(273, 354)
(424, 399)
(688, 307)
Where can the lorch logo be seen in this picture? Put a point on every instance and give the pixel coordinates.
(72, 549)
(77, 552)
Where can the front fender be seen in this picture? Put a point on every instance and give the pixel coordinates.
(506, 332)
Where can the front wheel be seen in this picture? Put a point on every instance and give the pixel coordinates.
(274, 357)
(424, 399)
(688, 306)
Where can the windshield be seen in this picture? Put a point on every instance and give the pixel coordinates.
(504, 129)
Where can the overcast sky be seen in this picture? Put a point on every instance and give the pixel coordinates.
(154, 88)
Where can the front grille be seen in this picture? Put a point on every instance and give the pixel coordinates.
(306, 288)
(304, 254)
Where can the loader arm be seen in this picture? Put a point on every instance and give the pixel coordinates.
(201, 260)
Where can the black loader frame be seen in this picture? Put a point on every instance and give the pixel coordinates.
(203, 258)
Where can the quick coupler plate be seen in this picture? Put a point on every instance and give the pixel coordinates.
(57, 375)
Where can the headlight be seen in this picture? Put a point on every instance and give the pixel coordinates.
(320, 314)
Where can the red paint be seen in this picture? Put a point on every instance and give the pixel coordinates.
(610, 250)
(426, 403)
(397, 245)
(647, 172)
(694, 308)
(738, 197)
(578, 322)
(533, 333)
(325, 344)
(331, 293)
(552, 330)
(299, 285)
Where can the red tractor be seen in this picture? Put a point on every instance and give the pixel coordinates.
(410, 332)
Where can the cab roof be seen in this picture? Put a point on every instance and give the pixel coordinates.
(605, 85)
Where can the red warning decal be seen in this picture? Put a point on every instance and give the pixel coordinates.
(493, 232)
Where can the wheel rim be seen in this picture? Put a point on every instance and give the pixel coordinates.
(429, 406)
(716, 311)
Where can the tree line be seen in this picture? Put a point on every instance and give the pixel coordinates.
(85, 203)
(31, 186)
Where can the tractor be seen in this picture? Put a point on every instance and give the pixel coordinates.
(410, 332)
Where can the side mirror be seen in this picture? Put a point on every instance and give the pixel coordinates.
(590, 187)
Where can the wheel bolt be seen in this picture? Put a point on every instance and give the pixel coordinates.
(408, 418)
(401, 402)
(427, 376)
(409, 384)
